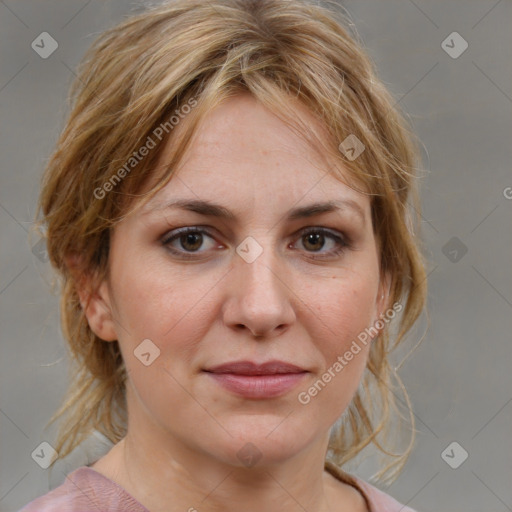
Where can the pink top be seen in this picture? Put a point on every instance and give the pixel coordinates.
(87, 490)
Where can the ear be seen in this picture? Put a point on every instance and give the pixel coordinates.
(95, 301)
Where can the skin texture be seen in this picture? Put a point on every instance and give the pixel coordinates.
(184, 430)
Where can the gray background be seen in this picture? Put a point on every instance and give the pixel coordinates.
(459, 377)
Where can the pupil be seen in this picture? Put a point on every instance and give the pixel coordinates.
(194, 239)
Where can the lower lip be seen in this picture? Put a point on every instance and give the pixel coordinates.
(258, 386)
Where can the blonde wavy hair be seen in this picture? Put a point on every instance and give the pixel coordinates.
(132, 80)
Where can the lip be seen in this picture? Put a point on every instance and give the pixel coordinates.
(252, 380)
(250, 368)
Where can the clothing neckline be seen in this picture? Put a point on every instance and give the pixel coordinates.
(348, 479)
(329, 466)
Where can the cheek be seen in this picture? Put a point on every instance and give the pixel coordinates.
(343, 309)
(175, 313)
(172, 309)
(340, 312)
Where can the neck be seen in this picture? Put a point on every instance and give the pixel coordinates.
(165, 473)
(175, 478)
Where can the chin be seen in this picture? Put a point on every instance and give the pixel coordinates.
(263, 440)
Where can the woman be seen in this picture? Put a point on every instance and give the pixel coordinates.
(228, 209)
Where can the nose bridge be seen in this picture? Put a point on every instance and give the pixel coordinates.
(259, 275)
(261, 298)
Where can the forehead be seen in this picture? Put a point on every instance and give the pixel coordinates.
(245, 156)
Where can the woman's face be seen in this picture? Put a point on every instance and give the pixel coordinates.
(261, 277)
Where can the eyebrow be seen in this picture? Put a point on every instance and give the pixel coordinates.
(211, 209)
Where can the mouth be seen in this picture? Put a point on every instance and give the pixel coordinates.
(257, 381)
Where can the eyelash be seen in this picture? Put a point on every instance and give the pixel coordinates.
(343, 242)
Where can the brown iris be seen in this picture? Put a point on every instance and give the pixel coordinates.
(191, 241)
(315, 241)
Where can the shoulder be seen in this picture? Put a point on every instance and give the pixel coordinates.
(376, 500)
(85, 489)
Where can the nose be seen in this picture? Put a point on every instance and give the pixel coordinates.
(260, 301)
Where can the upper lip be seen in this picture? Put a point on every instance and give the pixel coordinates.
(251, 368)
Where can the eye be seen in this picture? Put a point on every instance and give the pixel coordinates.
(188, 240)
(315, 239)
